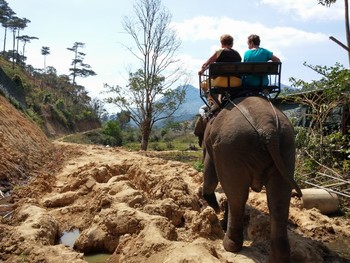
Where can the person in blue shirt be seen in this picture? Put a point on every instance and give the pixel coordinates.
(257, 54)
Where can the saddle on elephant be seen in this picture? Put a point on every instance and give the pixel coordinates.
(222, 81)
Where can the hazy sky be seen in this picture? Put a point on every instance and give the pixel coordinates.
(294, 30)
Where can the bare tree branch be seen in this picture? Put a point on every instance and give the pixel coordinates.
(150, 95)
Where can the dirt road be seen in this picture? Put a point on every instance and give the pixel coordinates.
(131, 205)
(143, 209)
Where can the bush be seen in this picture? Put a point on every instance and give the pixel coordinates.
(35, 117)
(112, 129)
(156, 147)
(60, 105)
(15, 103)
(130, 136)
(337, 151)
(96, 136)
(199, 166)
(17, 80)
(59, 116)
(164, 132)
(169, 145)
(332, 152)
(155, 138)
(111, 141)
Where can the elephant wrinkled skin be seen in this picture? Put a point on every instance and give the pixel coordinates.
(250, 145)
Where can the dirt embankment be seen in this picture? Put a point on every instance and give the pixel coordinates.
(136, 207)
(23, 147)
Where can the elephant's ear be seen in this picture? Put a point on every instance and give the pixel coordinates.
(199, 129)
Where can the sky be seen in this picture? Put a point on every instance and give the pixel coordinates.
(296, 31)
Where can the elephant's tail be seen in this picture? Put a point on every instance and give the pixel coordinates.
(274, 149)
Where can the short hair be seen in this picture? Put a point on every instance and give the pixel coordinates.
(255, 39)
(226, 40)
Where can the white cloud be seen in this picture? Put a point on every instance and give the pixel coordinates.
(271, 37)
(292, 45)
(308, 10)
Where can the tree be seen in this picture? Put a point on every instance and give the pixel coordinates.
(6, 14)
(16, 24)
(149, 96)
(25, 39)
(324, 95)
(321, 144)
(79, 68)
(22, 24)
(45, 51)
(123, 119)
(97, 106)
(347, 25)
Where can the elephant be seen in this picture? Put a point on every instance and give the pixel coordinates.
(249, 143)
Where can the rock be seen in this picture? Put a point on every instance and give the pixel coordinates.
(60, 200)
(37, 225)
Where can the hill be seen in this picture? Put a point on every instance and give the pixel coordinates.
(24, 148)
(189, 109)
(53, 102)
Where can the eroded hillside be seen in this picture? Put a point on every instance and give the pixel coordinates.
(24, 148)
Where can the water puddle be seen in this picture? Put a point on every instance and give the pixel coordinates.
(68, 237)
(341, 246)
(97, 258)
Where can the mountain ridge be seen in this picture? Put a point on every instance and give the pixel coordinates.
(189, 109)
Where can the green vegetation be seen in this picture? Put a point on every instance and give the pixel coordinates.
(108, 135)
(174, 146)
(156, 44)
(325, 141)
(46, 94)
(167, 143)
(41, 94)
(323, 145)
(79, 68)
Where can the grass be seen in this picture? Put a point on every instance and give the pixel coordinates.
(174, 142)
(182, 148)
(83, 137)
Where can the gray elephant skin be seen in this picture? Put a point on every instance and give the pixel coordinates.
(250, 144)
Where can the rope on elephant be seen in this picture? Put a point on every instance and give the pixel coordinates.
(246, 114)
(274, 111)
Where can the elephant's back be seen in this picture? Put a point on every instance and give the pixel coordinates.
(242, 120)
(254, 105)
(257, 111)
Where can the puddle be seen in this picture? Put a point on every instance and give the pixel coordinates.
(68, 238)
(97, 258)
(341, 246)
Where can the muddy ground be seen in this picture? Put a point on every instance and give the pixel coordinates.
(134, 206)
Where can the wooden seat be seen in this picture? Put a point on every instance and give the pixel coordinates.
(227, 70)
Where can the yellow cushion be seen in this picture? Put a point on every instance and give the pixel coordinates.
(222, 82)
